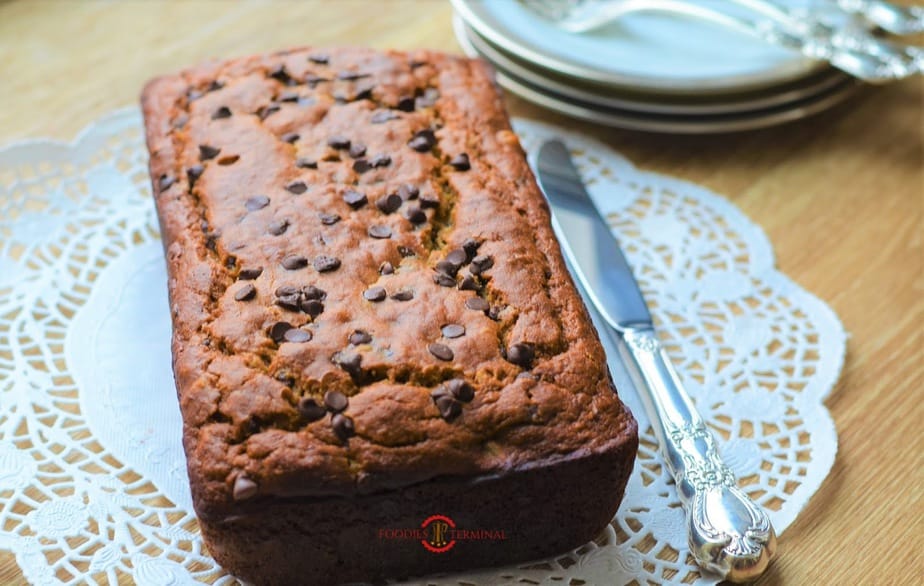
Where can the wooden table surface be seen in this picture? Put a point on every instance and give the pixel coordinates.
(839, 195)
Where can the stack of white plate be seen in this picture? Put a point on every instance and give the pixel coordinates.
(648, 71)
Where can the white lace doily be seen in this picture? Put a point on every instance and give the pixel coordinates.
(92, 475)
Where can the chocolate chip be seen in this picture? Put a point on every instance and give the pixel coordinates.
(245, 293)
(288, 97)
(444, 280)
(312, 307)
(278, 330)
(289, 302)
(244, 488)
(468, 283)
(441, 351)
(361, 166)
(285, 290)
(521, 354)
(297, 336)
(193, 174)
(383, 116)
(280, 74)
(293, 262)
(460, 162)
(336, 401)
(306, 163)
(357, 150)
(480, 264)
(374, 294)
(364, 93)
(430, 200)
(408, 191)
(290, 137)
(386, 268)
(338, 142)
(257, 202)
(319, 58)
(324, 263)
(447, 268)
(477, 303)
(328, 219)
(250, 274)
(351, 75)
(470, 246)
(379, 231)
(422, 141)
(223, 112)
(389, 203)
(311, 410)
(165, 182)
(403, 295)
(380, 161)
(312, 292)
(457, 257)
(278, 227)
(355, 199)
(342, 426)
(207, 152)
(406, 104)
(453, 330)
(348, 362)
(360, 337)
(460, 390)
(448, 407)
(215, 85)
(265, 112)
(297, 187)
(229, 160)
(406, 251)
(415, 215)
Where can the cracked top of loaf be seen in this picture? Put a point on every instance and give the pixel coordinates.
(365, 289)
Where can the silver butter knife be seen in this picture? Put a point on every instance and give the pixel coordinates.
(728, 533)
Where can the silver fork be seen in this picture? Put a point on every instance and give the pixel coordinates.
(898, 20)
(850, 47)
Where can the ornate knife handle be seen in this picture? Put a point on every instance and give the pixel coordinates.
(728, 533)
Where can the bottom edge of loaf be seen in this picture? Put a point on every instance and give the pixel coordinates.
(526, 515)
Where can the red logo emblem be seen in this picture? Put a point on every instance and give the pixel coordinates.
(437, 531)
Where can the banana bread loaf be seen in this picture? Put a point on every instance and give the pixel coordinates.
(383, 367)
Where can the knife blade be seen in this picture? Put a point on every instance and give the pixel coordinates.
(728, 533)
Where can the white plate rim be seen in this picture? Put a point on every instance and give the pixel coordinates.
(692, 126)
(503, 63)
(475, 17)
(681, 125)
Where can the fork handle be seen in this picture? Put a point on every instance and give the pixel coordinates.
(850, 48)
(898, 20)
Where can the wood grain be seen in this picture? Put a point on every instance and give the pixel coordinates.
(840, 195)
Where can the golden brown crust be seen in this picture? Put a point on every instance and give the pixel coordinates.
(240, 389)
